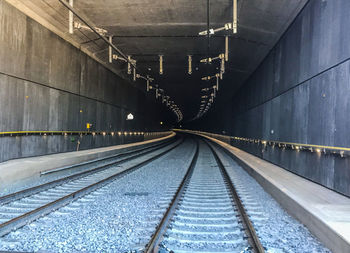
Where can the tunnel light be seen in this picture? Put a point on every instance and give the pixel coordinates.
(104, 133)
(161, 64)
(112, 133)
(190, 64)
(130, 116)
(125, 133)
(119, 133)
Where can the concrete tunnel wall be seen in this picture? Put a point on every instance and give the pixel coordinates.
(45, 82)
(300, 93)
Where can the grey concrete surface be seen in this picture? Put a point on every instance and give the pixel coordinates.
(298, 94)
(47, 84)
(324, 212)
(148, 28)
(20, 170)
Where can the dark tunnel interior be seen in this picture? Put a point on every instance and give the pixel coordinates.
(259, 86)
(283, 76)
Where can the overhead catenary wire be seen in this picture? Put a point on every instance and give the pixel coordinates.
(111, 46)
(72, 10)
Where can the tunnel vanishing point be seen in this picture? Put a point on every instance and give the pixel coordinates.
(236, 93)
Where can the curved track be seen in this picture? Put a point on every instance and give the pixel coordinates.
(20, 208)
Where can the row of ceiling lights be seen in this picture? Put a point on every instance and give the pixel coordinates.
(132, 69)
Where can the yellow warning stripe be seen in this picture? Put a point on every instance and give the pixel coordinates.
(43, 132)
(301, 145)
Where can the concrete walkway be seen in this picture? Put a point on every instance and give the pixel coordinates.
(325, 212)
(21, 169)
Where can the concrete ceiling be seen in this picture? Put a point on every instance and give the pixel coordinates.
(148, 28)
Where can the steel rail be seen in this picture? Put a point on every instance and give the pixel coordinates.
(36, 189)
(156, 238)
(152, 245)
(126, 153)
(30, 216)
(253, 239)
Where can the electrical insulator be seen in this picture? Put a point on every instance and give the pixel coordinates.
(234, 24)
(148, 87)
(222, 67)
(71, 18)
(217, 81)
(110, 52)
(134, 70)
(190, 64)
(129, 65)
(161, 64)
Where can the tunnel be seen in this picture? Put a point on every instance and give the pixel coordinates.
(175, 126)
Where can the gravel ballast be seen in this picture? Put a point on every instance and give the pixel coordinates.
(115, 218)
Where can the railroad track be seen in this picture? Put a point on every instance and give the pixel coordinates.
(23, 207)
(206, 214)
